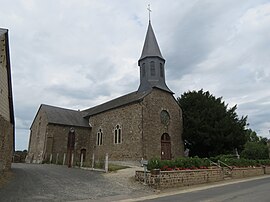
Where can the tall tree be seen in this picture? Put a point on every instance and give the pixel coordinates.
(255, 147)
(210, 127)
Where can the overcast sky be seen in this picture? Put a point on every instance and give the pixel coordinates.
(79, 53)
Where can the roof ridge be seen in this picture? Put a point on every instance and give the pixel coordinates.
(116, 102)
(51, 106)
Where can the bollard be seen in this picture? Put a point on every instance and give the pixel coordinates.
(56, 161)
(107, 163)
(93, 160)
(64, 159)
(51, 158)
(81, 163)
(72, 158)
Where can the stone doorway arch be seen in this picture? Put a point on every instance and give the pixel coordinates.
(166, 147)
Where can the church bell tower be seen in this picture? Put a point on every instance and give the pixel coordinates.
(151, 63)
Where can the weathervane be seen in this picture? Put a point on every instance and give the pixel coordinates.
(149, 10)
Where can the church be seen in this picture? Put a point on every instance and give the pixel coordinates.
(143, 124)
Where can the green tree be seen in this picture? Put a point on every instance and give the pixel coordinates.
(210, 127)
(255, 147)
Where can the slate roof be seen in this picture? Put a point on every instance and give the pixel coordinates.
(150, 48)
(118, 102)
(57, 115)
(3, 31)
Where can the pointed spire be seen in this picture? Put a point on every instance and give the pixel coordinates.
(150, 48)
(151, 63)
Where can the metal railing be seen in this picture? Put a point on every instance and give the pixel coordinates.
(213, 163)
(219, 164)
(222, 163)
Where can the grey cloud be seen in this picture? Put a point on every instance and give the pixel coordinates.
(84, 52)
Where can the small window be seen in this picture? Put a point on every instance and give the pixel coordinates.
(117, 135)
(99, 137)
(152, 68)
(161, 70)
(143, 69)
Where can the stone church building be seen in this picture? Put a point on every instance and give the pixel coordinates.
(6, 105)
(144, 124)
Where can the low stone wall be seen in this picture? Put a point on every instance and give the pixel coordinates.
(247, 172)
(168, 179)
(267, 170)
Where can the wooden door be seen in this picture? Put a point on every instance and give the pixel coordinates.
(165, 147)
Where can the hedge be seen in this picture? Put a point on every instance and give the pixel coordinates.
(185, 163)
(179, 163)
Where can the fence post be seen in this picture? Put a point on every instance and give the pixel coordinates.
(93, 160)
(51, 158)
(106, 163)
(81, 164)
(64, 158)
(72, 158)
(56, 161)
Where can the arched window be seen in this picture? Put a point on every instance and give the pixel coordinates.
(152, 68)
(117, 135)
(143, 69)
(161, 70)
(99, 137)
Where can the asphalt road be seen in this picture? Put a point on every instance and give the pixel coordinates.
(249, 191)
(34, 182)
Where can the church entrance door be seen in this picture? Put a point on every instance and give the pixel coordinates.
(165, 147)
(70, 147)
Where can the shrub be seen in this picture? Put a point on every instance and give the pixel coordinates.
(179, 163)
(154, 163)
(201, 163)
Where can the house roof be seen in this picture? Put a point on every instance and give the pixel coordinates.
(3, 31)
(150, 47)
(57, 115)
(118, 102)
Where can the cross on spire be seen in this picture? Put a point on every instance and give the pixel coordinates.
(149, 10)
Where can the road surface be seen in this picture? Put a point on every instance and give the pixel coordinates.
(43, 182)
(249, 191)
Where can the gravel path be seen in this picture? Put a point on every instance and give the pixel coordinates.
(35, 182)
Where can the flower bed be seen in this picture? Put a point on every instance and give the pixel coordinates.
(178, 164)
(194, 163)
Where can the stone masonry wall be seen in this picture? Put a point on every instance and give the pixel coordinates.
(4, 88)
(37, 137)
(247, 172)
(56, 143)
(6, 144)
(130, 119)
(267, 170)
(168, 179)
(153, 129)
